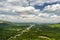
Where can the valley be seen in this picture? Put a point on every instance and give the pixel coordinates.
(24, 31)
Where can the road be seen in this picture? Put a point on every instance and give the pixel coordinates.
(22, 32)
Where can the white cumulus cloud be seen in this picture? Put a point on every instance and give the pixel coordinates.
(20, 11)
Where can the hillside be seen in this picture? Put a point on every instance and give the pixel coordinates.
(8, 29)
(18, 31)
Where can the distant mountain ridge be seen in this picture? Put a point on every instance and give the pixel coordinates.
(6, 23)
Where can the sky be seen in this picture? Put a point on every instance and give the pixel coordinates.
(39, 11)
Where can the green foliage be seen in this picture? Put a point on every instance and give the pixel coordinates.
(38, 32)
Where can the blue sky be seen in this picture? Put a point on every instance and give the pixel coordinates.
(42, 11)
(41, 7)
